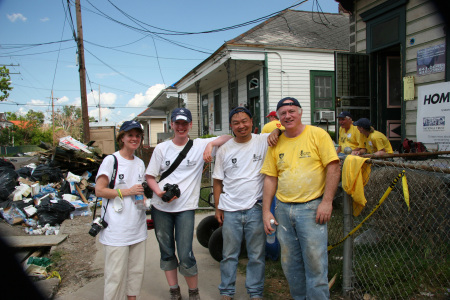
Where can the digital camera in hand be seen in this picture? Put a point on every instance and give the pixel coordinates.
(148, 192)
(97, 225)
(171, 191)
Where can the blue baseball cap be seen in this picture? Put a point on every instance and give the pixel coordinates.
(293, 103)
(364, 123)
(344, 114)
(128, 125)
(238, 110)
(181, 114)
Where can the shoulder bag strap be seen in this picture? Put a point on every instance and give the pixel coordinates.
(178, 160)
(111, 184)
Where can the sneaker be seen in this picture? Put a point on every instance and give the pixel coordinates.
(225, 297)
(175, 294)
(194, 295)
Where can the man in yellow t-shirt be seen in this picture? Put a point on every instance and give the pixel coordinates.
(349, 135)
(305, 168)
(372, 141)
(273, 123)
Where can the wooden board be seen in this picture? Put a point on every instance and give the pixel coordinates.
(35, 240)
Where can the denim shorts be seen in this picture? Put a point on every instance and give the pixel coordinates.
(176, 229)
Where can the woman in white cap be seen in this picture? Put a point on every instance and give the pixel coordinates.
(126, 231)
(174, 217)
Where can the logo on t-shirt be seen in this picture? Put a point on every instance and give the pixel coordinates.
(304, 154)
(257, 157)
(191, 163)
(234, 162)
(167, 162)
(121, 179)
(280, 156)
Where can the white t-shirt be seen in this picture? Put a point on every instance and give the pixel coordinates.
(187, 175)
(128, 226)
(238, 165)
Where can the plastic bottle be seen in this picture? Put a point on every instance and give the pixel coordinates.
(140, 202)
(271, 236)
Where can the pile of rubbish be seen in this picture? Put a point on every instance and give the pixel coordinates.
(40, 197)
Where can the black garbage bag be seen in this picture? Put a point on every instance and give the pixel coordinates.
(6, 163)
(7, 182)
(24, 172)
(53, 211)
(46, 173)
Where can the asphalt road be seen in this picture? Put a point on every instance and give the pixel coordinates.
(155, 286)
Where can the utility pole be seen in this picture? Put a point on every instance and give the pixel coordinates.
(53, 120)
(99, 107)
(82, 71)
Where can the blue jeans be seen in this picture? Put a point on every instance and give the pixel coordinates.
(175, 227)
(236, 225)
(304, 255)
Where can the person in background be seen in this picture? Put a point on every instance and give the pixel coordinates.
(124, 237)
(237, 188)
(273, 123)
(372, 141)
(303, 170)
(174, 220)
(349, 135)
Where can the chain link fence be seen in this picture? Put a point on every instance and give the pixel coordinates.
(398, 252)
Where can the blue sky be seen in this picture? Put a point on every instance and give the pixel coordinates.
(125, 60)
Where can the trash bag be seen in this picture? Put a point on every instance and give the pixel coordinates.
(6, 163)
(53, 211)
(7, 182)
(24, 172)
(46, 173)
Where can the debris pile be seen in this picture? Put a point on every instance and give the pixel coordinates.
(41, 196)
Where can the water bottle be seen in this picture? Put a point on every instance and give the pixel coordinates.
(271, 236)
(140, 202)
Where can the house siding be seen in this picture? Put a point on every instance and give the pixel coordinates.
(156, 125)
(424, 24)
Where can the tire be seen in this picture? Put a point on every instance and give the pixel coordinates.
(205, 229)
(215, 244)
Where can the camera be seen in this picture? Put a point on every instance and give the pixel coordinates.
(97, 225)
(148, 192)
(171, 191)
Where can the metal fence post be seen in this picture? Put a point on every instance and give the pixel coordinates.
(347, 273)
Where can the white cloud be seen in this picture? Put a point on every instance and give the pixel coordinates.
(45, 19)
(144, 100)
(62, 100)
(36, 102)
(106, 99)
(105, 113)
(15, 17)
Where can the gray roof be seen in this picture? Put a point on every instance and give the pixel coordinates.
(299, 29)
(151, 112)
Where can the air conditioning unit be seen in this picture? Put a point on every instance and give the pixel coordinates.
(322, 115)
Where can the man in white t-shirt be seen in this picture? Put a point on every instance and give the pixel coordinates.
(238, 186)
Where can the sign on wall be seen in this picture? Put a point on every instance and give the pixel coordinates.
(431, 60)
(433, 115)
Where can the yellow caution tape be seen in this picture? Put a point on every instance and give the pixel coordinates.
(388, 191)
(405, 191)
(54, 274)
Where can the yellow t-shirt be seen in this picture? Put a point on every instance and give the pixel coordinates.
(269, 127)
(350, 138)
(300, 164)
(376, 141)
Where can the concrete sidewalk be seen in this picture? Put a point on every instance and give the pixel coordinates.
(155, 286)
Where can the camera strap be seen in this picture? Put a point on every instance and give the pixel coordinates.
(112, 183)
(178, 160)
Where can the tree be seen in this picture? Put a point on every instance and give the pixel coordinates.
(5, 83)
(69, 119)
